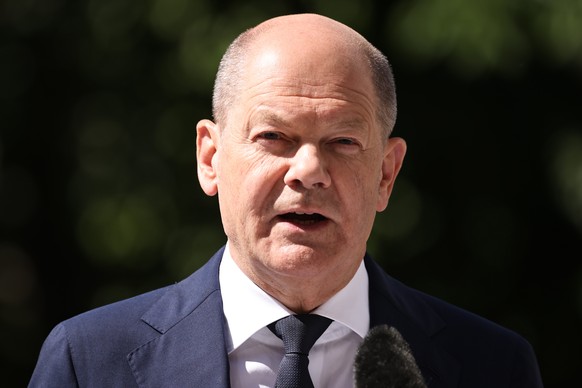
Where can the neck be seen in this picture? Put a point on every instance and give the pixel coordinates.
(301, 282)
(303, 294)
(301, 300)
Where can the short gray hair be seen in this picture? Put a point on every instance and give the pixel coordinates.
(230, 75)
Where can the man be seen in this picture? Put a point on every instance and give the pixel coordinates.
(301, 159)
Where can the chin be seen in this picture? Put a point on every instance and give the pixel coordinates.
(300, 259)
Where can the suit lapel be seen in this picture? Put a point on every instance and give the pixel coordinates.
(396, 305)
(190, 348)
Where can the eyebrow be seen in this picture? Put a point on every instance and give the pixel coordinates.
(273, 118)
(351, 123)
(276, 120)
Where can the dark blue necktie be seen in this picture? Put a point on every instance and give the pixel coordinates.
(299, 333)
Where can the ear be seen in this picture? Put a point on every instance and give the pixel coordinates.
(207, 138)
(394, 152)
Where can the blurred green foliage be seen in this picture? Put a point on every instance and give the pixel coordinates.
(98, 190)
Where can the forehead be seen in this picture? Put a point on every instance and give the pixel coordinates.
(308, 77)
(308, 60)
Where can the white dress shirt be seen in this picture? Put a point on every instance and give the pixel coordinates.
(255, 353)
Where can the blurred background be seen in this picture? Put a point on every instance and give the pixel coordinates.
(99, 198)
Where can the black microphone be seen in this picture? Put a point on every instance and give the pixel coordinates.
(384, 359)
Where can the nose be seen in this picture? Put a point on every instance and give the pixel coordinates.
(308, 169)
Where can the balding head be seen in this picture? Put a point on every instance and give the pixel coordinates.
(310, 39)
(299, 154)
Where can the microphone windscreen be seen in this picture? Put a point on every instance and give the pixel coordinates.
(384, 359)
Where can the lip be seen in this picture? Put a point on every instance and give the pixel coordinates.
(303, 218)
(303, 210)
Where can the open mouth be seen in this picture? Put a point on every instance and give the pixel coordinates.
(303, 218)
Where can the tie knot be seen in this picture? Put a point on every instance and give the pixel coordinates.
(299, 332)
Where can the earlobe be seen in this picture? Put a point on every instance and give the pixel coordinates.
(394, 152)
(207, 138)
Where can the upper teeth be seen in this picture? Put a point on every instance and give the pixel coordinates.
(302, 213)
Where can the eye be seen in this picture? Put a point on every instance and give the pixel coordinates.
(346, 145)
(269, 135)
(273, 142)
(346, 141)
(272, 138)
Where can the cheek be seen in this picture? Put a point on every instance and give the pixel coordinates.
(366, 194)
(249, 179)
(360, 195)
(233, 168)
(363, 182)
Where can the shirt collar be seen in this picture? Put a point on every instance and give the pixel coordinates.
(248, 309)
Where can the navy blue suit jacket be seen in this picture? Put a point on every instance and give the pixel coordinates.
(174, 337)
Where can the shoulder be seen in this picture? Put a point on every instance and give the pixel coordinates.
(461, 324)
(92, 346)
(485, 350)
(119, 322)
(432, 314)
(122, 316)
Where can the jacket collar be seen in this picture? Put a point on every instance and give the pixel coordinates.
(394, 304)
(188, 318)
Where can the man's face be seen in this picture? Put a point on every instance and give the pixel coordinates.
(301, 167)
